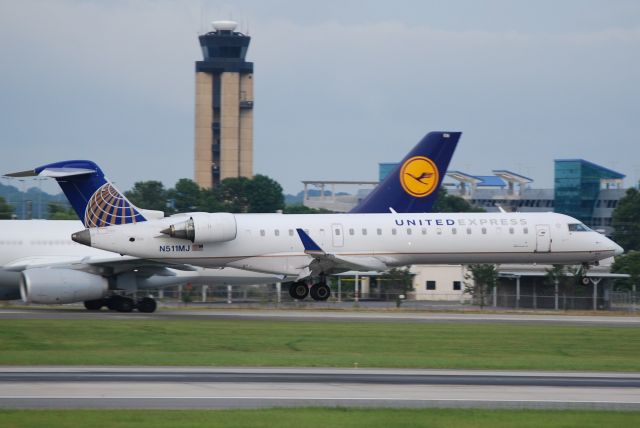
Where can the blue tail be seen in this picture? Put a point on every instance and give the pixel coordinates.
(96, 201)
(413, 184)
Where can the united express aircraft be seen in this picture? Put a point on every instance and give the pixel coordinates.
(312, 246)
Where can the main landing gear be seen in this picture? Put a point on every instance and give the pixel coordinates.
(122, 304)
(319, 292)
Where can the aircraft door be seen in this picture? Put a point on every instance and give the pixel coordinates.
(338, 235)
(543, 238)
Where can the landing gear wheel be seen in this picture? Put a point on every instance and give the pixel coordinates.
(124, 304)
(320, 292)
(146, 305)
(298, 290)
(94, 305)
(584, 280)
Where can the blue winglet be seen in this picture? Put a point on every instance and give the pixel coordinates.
(310, 247)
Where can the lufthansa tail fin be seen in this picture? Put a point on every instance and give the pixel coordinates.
(413, 184)
(95, 200)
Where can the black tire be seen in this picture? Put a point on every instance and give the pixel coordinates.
(298, 290)
(585, 280)
(320, 292)
(147, 305)
(112, 302)
(94, 305)
(125, 304)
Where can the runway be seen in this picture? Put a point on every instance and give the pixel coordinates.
(183, 388)
(327, 316)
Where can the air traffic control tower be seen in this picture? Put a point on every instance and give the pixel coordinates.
(224, 107)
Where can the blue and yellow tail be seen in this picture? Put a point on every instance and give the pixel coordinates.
(95, 200)
(413, 185)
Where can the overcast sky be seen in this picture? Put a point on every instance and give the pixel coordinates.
(339, 85)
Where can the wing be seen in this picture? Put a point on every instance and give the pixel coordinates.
(326, 263)
(102, 265)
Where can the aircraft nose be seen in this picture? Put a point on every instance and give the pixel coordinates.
(617, 249)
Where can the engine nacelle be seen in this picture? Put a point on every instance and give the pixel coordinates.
(205, 227)
(41, 285)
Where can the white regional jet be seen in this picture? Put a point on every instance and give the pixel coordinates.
(313, 246)
(40, 263)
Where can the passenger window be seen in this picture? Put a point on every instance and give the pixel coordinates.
(277, 232)
(511, 230)
(290, 232)
(468, 231)
(408, 231)
(351, 232)
(394, 231)
(424, 230)
(337, 231)
(525, 230)
(439, 231)
(364, 232)
(262, 232)
(484, 230)
(379, 231)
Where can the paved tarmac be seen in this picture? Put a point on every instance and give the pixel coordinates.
(199, 387)
(327, 316)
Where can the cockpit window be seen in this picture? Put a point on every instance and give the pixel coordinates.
(578, 227)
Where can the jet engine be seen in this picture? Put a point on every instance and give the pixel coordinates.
(205, 227)
(42, 285)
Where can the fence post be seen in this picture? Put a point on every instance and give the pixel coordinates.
(229, 294)
(517, 292)
(495, 296)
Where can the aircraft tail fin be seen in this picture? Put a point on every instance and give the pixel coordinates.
(413, 185)
(94, 199)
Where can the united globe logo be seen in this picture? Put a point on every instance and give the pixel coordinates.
(108, 207)
(419, 176)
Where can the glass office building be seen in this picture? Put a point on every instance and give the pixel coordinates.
(578, 186)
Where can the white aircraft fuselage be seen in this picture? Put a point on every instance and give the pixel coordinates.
(269, 242)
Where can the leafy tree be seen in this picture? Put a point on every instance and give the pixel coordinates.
(479, 279)
(61, 212)
(264, 195)
(233, 194)
(397, 281)
(303, 209)
(628, 263)
(6, 210)
(149, 195)
(186, 195)
(626, 221)
(211, 201)
(446, 203)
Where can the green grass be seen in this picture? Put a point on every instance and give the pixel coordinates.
(317, 417)
(317, 343)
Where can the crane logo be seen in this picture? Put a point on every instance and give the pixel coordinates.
(419, 176)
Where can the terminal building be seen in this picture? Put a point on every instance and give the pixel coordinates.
(223, 107)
